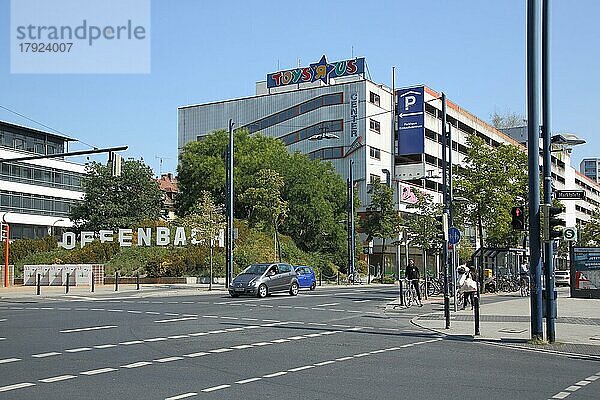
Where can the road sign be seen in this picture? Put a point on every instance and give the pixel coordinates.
(453, 235)
(569, 195)
(570, 234)
(367, 250)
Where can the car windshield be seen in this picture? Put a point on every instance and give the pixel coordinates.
(255, 269)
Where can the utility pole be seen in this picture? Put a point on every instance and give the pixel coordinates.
(445, 201)
(229, 250)
(351, 238)
(533, 137)
(548, 250)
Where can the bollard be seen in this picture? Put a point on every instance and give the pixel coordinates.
(476, 307)
(93, 282)
(116, 281)
(137, 281)
(338, 278)
(39, 279)
(401, 292)
(320, 278)
(67, 286)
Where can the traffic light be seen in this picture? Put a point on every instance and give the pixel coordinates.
(518, 218)
(441, 227)
(551, 223)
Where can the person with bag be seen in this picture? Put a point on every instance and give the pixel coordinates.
(469, 286)
(413, 275)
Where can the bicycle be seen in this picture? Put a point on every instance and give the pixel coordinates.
(410, 294)
(524, 283)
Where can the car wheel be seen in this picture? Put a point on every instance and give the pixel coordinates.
(262, 291)
(234, 294)
(313, 286)
(294, 289)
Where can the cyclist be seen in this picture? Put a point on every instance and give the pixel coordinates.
(412, 274)
(524, 273)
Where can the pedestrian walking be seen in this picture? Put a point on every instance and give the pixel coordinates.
(413, 274)
(468, 285)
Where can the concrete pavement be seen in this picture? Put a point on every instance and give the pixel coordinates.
(505, 319)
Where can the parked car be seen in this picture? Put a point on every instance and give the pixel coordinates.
(562, 278)
(263, 279)
(306, 277)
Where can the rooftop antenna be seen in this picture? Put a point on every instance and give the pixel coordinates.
(352, 51)
(160, 163)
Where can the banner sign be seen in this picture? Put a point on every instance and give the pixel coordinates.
(411, 120)
(320, 71)
(586, 267)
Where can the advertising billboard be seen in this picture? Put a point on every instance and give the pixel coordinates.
(411, 120)
(585, 272)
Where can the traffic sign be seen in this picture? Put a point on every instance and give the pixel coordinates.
(569, 195)
(453, 235)
(570, 234)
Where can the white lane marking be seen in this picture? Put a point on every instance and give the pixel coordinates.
(182, 396)
(310, 335)
(178, 337)
(234, 318)
(78, 350)
(361, 301)
(199, 334)
(156, 339)
(275, 374)
(560, 395)
(168, 359)
(340, 326)
(210, 316)
(131, 342)
(187, 302)
(301, 308)
(224, 350)
(212, 389)
(360, 355)
(96, 309)
(172, 314)
(377, 351)
(250, 319)
(317, 324)
(302, 368)
(573, 388)
(234, 329)
(326, 304)
(152, 312)
(105, 346)
(92, 328)
(270, 320)
(57, 378)
(343, 358)
(136, 364)
(279, 340)
(592, 378)
(162, 321)
(217, 331)
(192, 355)
(9, 360)
(115, 310)
(259, 344)
(97, 371)
(2, 338)
(296, 337)
(248, 380)
(16, 386)
(134, 311)
(242, 346)
(42, 355)
(583, 383)
(4, 319)
(324, 363)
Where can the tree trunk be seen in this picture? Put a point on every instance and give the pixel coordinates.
(382, 258)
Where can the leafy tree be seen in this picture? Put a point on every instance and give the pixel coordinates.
(423, 224)
(113, 202)
(507, 120)
(205, 217)
(382, 219)
(263, 200)
(493, 180)
(589, 233)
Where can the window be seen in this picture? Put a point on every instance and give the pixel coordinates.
(374, 98)
(374, 178)
(375, 125)
(285, 268)
(375, 153)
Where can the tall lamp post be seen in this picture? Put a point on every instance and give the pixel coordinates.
(229, 250)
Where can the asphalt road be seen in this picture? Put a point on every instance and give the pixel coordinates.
(334, 343)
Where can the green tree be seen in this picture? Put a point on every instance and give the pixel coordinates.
(493, 180)
(382, 218)
(112, 202)
(589, 233)
(422, 224)
(507, 120)
(205, 217)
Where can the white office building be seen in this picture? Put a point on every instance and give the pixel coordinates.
(36, 195)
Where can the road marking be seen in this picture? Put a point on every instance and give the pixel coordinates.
(104, 346)
(217, 331)
(212, 389)
(340, 326)
(210, 316)
(172, 314)
(317, 324)
(42, 355)
(361, 301)
(360, 355)
(583, 383)
(57, 378)
(16, 386)
(259, 344)
(78, 350)
(325, 363)
(192, 355)
(592, 378)
(224, 350)
(302, 368)
(131, 342)
(248, 380)
(250, 319)
(168, 359)
(573, 388)
(115, 310)
(279, 340)
(343, 358)
(152, 312)
(296, 337)
(234, 329)
(156, 339)
(270, 320)
(182, 396)
(229, 318)
(93, 328)
(97, 371)
(326, 304)
(9, 360)
(275, 374)
(199, 334)
(136, 364)
(178, 337)
(560, 395)
(310, 335)
(134, 311)
(162, 321)
(242, 346)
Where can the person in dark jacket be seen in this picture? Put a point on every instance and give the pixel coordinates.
(413, 274)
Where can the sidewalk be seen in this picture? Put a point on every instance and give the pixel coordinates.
(505, 319)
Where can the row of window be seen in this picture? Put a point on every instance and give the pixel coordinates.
(327, 153)
(18, 231)
(39, 145)
(41, 176)
(302, 108)
(35, 204)
(586, 186)
(375, 126)
(374, 98)
(318, 129)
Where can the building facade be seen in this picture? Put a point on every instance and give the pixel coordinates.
(590, 167)
(36, 195)
(388, 133)
(167, 184)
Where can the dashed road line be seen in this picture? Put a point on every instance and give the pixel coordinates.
(43, 355)
(9, 360)
(16, 386)
(98, 371)
(182, 396)
(92, 328)
(162, 321)
(212, 389)
(57, 378)
(136, 364)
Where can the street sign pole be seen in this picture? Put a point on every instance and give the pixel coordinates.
(445, 200)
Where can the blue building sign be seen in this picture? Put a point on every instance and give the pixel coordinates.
(411, 120)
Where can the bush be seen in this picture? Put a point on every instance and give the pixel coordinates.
(22, 248)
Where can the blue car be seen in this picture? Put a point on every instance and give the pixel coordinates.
(306, 277)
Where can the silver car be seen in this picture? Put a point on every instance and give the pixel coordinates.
(263, 279)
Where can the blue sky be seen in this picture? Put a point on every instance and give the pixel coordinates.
(473, 50)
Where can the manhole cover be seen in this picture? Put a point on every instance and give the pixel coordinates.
(509, 330)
